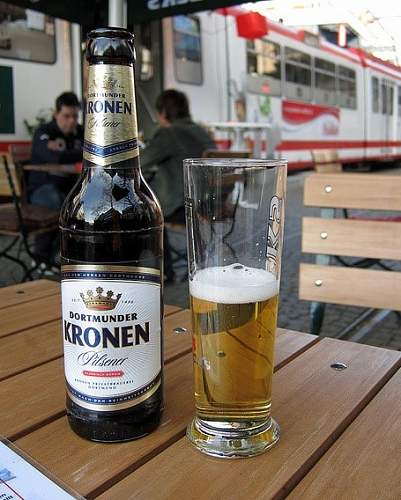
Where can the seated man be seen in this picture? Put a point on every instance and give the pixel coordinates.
(59, 141)
(177, 138)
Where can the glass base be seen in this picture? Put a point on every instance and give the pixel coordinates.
(233, 439)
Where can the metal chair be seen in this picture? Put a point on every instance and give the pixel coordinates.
(20, 221)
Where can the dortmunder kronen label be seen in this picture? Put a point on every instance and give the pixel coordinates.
(112, 335)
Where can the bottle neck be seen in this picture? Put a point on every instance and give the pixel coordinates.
(110, 117)
(127, 170)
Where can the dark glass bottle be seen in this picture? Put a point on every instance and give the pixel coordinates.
(111, 250)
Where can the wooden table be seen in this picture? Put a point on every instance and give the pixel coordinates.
(53, 168)
(341, 430)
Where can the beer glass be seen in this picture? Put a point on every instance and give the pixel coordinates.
(235, 215)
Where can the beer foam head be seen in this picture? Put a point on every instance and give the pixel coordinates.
(234, 284)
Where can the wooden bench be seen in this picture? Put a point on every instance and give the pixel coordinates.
(326, 161)
(369, 239)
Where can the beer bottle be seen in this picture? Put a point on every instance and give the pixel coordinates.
(111, 250)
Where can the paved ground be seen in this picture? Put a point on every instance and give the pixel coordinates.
(293, 313)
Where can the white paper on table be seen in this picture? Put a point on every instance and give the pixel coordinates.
(21, 480)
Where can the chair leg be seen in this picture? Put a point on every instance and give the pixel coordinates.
(317, 310)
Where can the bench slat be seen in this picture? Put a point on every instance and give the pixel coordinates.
(351, 286)
(354, 238)
(357, 191)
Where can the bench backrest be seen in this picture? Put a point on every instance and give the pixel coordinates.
(376, 238)
(326, 161)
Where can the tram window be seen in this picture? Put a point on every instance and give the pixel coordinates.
(322, 64)
(399, 101)
(26, 34)
(263, 58)
(325, 82)
(346, 87)
(375, 94)
(264, 63)
(298, 74)
(387, 98)
(146, 54)
(187, 49)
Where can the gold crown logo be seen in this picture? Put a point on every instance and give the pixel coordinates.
(100, 302)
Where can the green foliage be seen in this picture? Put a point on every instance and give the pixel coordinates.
(43, 116)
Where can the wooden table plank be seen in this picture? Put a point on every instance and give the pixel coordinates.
(105, 463)
(25, 292)
(30, 314)
(364, 463)
(290, 344)
(29, 401)
(37, 404)
(313, 404)
(35, 346)
(30, 348)
(88, 464)
(170, 309)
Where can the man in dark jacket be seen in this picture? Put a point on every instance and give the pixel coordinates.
(59, 141)
(177, 138)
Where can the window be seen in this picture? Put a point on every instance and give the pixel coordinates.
(26, 34)
(325, 82)
(298, 74)
(390, 97)
(346, 87)
(387, 97)
(187, 49)
(264, 60)
(375, 94)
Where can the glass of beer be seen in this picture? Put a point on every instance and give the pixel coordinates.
(235, 215)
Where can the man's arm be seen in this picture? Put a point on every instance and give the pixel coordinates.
(41, 152)
(157, 151)
(45, 150)
(70, 156)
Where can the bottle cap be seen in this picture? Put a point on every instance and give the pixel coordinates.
(110, 45)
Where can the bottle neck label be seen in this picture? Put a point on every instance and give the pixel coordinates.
(110, 115)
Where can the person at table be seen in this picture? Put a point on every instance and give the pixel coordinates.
(57, 142)
(177, 138)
